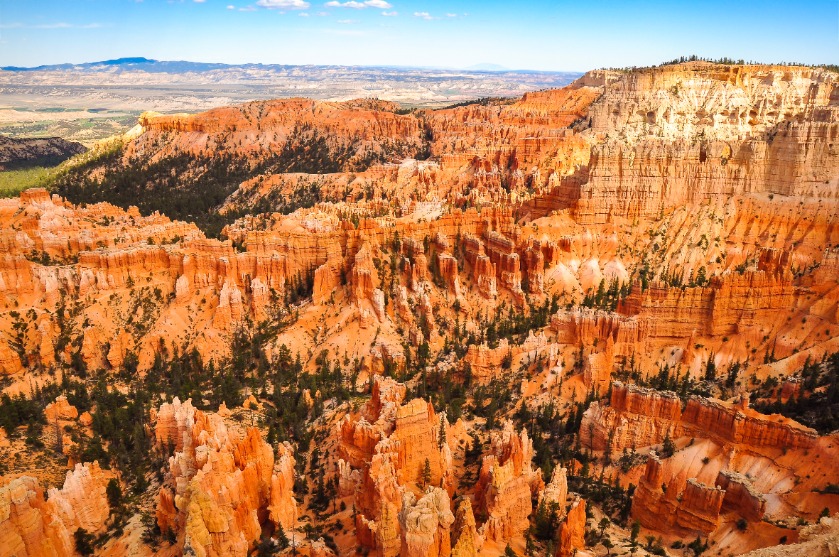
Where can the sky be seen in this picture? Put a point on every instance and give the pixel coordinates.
(556, 35)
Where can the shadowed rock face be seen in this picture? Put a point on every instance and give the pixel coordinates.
(26, 153)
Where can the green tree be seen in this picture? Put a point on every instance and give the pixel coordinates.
(114, 494)
(633, 533)
(426, 473)
(668, 447)
(546, 520)
(84, 542)
(603, 524)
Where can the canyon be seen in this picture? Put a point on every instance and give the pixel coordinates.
(345, 327)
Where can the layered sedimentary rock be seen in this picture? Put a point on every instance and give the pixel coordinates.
(695, 508)
(741, 496)
(674, 216)
(638, 417)
(487, 363)
(506, 484)
(746, 137)
(397, 447)
(282, 124)
(218, 485)
(34, 524)
(635, 417)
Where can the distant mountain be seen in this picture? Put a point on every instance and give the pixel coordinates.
(134, 63)
(183, 66)
(27, 153)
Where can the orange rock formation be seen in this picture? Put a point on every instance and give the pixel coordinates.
(34, 525)
(218, 484)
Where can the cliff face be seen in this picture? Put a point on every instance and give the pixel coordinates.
(689, 491)
(741, 496)
(283, 123)
(817, 540)
(693, 509)
(218, 485)
(694, 131)
(638, 417)
(34, 524)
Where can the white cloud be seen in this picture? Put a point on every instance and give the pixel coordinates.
(303, 14)
(390, 14)
(350, 4)
(347, 21)
(424, 15)
(379, 4)
(199, 1)
(451, 15)
(231, 7)
(283, 4)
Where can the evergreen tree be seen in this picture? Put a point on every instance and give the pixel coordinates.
(84, 542)
(426, 474)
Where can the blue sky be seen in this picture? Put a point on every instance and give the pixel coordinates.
(541, 35)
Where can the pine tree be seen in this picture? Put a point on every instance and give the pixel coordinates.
(426, 474)
(441, 436)
(668, 447)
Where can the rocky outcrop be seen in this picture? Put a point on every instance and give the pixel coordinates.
(635, 417)
(487, 363)
(425, 524)
(60, 410)
(396, 449)
(572, 530)
(327, 278)
(465, 540)
(741, 496)
(556, 492)
(638, 417)
(218, 486)
(816, 540)
(506, 484)
(737, 423)
(693, 508)
(35, 525)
